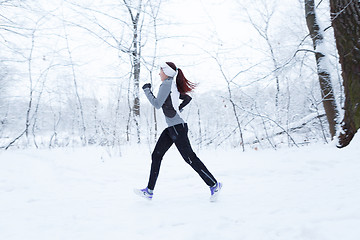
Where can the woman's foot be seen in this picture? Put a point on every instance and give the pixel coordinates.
(215, 190)
(145, 193)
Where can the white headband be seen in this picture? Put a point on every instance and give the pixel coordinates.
(168, 70)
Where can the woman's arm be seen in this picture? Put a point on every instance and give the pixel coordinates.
(186, 99)
(163, 93)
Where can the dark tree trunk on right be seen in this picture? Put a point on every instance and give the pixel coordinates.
(345, 16)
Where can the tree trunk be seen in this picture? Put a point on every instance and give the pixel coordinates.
(76, 90)
(327, 92)
(136, 56)
(345, 17)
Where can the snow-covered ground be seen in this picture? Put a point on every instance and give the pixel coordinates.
(307, 193)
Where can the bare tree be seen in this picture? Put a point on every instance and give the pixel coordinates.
(154, 13)
(56, 121)
(29, 60)
(129, 42)
(4, 108)
(327, 93)
(135, 51)
(231, 100)
(345, 15)
(80, 106)
(264, 31)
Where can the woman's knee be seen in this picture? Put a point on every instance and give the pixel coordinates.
(190, 158)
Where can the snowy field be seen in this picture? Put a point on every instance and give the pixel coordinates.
(83, 194)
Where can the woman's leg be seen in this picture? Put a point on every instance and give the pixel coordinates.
(163, 144)
(179, 134)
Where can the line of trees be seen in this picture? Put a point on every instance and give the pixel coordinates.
(272, 90)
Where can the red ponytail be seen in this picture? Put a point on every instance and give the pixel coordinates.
(182, 83)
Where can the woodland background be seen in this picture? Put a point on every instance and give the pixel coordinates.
(71, 72)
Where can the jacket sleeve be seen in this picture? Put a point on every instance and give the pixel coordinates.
(186, 99)
(163, 93)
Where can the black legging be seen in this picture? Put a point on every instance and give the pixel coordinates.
(177, 134)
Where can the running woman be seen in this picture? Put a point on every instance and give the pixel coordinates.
(174, 86)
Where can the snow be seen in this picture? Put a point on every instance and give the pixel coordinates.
(82, 193)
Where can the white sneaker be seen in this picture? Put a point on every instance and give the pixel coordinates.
(215, 190)
(144, 193)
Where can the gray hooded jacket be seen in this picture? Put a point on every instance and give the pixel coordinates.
(163, 100)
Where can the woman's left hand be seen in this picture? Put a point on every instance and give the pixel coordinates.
(146, 85)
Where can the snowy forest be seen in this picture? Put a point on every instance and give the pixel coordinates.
(274, 117)
(72, 71)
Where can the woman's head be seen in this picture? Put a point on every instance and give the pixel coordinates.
(182, 83)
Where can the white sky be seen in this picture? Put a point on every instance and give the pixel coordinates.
(223, 27)
(198, 29)
(204, 26)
